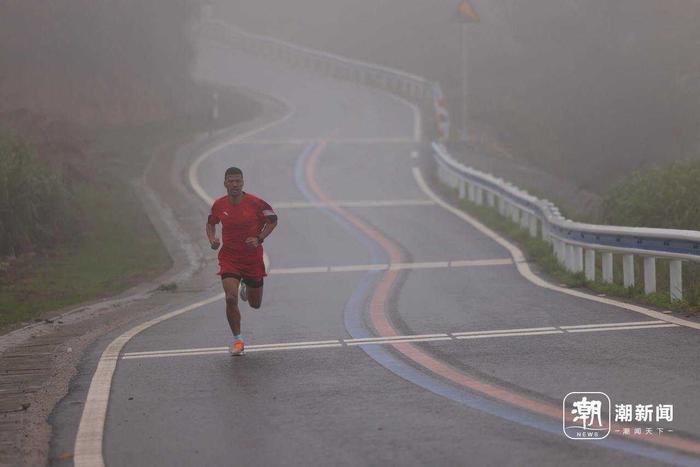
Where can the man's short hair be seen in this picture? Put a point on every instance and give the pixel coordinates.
(233, 171)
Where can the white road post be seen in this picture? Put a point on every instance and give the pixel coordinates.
(462, 189)
(569, 257)
(524, 220)
(590, 265)
(649, 274)
(607, 261)
(628, 270)
(533, 226)
(676, 273)
(578, 258)
(515, 213)
(490, 198)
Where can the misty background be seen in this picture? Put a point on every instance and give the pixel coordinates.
(97, 62)
(588, 90)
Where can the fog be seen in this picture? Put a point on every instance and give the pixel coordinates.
(93, 63)
(587, 90)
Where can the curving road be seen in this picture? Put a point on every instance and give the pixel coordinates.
(362, 250)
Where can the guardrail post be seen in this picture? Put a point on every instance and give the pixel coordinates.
(470, 191)
(557, 251)
(649, 274)
(545, 231)
(462, 184)
(515, 213)
(453, 180)
(628, 270)
(490, 198)
(562, 253)
(676, 273)
(607, 260)
(479, 196)
(533, 226)
(590, 265)
(501, 206)
(524, 220)
(569, 249)
(578, 258)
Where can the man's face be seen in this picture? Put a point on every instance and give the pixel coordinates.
(234, 184)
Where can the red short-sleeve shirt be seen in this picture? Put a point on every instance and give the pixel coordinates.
(238, 222)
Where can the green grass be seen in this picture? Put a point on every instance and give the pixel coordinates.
(663, 197)
(118, 249)
(540, 252)
(114, 246)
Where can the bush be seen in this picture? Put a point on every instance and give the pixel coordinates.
(36, 205)
(663, 197)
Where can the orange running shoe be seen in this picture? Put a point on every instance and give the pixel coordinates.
(238, 348)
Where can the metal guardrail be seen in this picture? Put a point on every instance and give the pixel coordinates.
(395, 81)
(575, 244)
(427, 94)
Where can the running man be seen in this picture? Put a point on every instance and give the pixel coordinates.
(245, 222)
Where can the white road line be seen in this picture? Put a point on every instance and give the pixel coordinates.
(626, 323)
(481, 262)
(435, 264)
(310, 270)
(193, 352)
(414, 154)
(194, 181)
(353, 204)
(359, 267)
(219, 349)
(330, 140)
(524, 268)
(293, 344)
(501, 331)
(510, 334)
(391, 266)
(175, 351)
(400, 341)
(88, 442)
(371, 339)
(389, 340)
(293, 347)
(617, 328)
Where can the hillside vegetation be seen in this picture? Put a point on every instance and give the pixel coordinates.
(663, 197)
(36, 204)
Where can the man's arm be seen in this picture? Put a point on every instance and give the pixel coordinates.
(211, 236)
(267, 229)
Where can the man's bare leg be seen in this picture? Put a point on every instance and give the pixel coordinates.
(233, 314)
(255, 296)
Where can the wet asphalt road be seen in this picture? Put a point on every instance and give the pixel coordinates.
(380, 404)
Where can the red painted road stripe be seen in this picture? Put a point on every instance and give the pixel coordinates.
(384, 328)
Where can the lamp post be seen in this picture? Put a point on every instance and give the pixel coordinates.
(467, 15)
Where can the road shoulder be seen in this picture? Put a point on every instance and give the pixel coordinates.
(39, 361)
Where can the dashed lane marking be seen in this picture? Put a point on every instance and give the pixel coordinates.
(393, 266)
(336, 343)
(353, 204)
(330, 140)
